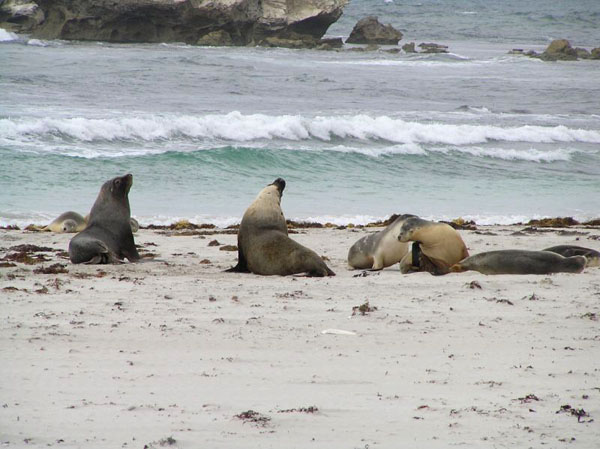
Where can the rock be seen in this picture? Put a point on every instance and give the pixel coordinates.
(433, 48)
(219, 38)
(370, 31)
(516, 51)
(246, 22)
(595, 53)
(409, 48)
(20, 16)
(582, 53)
(559, 50)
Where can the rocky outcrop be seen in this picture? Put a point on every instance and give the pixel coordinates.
(560, 50)
(370, 31)
(429, 47)
(409, 48)
(204, 22)
(20, 16)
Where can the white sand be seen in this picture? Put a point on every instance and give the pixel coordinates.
(175, 348)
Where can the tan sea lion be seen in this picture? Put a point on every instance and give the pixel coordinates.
(263, 243)
(439, 246)
(107, 237)
(592, 256)
(516, 261)
(67, 222)
(380, 249)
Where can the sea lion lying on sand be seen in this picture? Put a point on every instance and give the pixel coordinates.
(592, 256)
(439, 246)
(516, 261)
(263, 243)
(67, 222)
(107, 237)
(380, 249)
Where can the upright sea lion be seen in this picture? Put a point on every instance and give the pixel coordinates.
(107, 237)
(67, 222)
(263, 243)
(380, 249)
(439, 244)
(592, 256)
(516, 261)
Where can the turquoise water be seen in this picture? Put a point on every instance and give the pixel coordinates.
(475, 133)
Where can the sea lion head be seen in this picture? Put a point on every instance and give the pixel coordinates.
(409, 226)
(280, 184)
(113, 200)
(69, 226)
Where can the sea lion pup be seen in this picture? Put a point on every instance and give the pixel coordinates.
(380, 249)
(592, 256)
(263, 243)
(439, 246)
(67, 222)
(516, 261)
(107, 237)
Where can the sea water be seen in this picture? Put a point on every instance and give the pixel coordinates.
(475, 133)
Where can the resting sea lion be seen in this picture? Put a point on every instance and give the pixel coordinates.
(592, 256)
(107, 237)
(439, 244)
(67, 222)
(380, 249)
(516, 261)
(263, 243)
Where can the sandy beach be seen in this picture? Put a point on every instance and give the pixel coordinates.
(173, 352)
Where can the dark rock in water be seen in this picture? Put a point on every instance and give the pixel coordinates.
(582, 53)
(219, 38)
(20, 16)
(516, 51)
(218, 22)
(330, 44)
(370, 31)
(409, 48)
(433, 48)
(559, 50)
(595, 53)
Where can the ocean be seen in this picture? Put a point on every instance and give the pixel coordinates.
(475, 133)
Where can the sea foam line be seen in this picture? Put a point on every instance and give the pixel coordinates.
(237, 127)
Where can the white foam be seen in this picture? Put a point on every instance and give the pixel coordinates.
(7, 36)
(236, 128)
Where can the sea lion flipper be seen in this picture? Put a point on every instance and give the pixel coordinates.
(242, 265)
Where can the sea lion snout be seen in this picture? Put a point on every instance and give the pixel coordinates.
(280, 184)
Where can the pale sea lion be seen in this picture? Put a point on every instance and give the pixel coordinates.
(67, 222)
(107, 237)
(439, 244)
(592, 256)
(263, 243)
(380, 249)
(516, 261)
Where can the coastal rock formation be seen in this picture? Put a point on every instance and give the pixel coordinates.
(20, 16)
(409, 48)
(433, 48)
(214, 22)
(560, 50)
(370, 31)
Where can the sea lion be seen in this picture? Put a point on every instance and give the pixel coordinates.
(380, 249)
(263, 243)
(516, 261)
(592, 256)
(439, 246)
(135, 225)
(107, 237)
(67, 222)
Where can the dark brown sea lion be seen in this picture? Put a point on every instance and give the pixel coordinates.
(107, 237)
(592, 256)
(263, 243)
